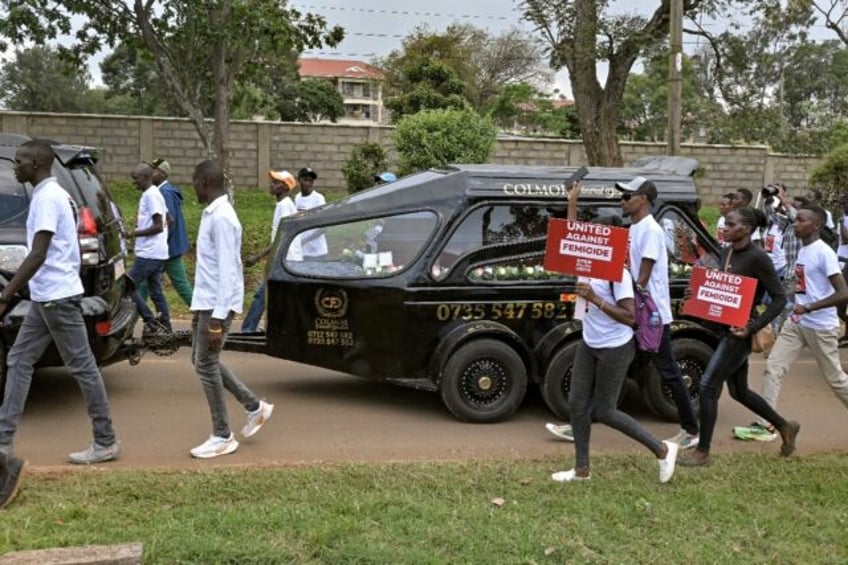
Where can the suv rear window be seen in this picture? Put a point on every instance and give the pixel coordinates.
(14, 201)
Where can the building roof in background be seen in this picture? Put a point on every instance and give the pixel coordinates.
(332, 68)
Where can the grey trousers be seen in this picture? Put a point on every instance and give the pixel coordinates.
(793, 338)
(59, 321)
(214, 376)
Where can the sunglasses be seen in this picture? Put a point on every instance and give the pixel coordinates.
(627, 196)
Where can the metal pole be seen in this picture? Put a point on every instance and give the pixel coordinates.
(675, 77)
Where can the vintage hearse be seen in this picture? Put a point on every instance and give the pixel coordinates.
(436, 281)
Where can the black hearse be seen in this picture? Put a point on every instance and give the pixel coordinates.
(436, 281)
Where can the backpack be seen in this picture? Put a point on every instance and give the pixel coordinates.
(648, 330)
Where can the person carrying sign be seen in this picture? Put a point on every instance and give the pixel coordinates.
(600, 366)
(649, 268)
(730, 360)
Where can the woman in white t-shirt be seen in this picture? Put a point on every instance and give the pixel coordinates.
(600, 367)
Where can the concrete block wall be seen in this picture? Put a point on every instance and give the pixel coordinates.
(256, 147)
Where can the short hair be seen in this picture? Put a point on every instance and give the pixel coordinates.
(42, 151)
(212, 171)
(746, 194)
(818, 211)
(729, 195)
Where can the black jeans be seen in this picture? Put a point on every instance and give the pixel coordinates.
(730, 363)
(669, 370)
(596, 380)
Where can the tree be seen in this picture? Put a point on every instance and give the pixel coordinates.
(194, 44)
(366, 161)
(832, 174)
(483, 63)
(432, 84)
(39, 80)
(579, 35)
(435, 138)
(130, 75)
(644, 106)
(319, 100)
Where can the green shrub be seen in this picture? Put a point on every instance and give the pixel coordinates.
(831, 176)
(366, 161)
(435, 138)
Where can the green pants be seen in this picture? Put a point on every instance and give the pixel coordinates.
(175, 269)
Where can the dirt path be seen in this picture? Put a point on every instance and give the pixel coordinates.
(160, 413)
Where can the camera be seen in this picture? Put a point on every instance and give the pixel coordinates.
(770, 190)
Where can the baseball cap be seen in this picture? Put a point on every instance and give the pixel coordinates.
(639, 185)
(284, 177)
(385, 176)
(307, 173)
(162, 165)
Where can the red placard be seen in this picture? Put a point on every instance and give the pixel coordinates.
(586, 249)
(720, 297)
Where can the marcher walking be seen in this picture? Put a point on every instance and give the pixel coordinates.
(649, 268)
(51, 269)
(213, 305)
(730, 360)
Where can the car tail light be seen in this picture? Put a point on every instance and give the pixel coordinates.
(103, 328)
(89, 241)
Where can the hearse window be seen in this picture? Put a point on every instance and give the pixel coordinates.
(493, 225)
(376, 247)
(686, 248)
(522, 268)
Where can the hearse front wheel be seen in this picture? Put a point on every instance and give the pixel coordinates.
(484, 381)
(557, 384)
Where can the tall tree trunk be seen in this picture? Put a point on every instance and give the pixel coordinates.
(223, 90)
(166, 67)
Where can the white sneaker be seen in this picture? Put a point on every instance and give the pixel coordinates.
(667, 463)
(562, 432)
(215, 446)
(685, 440)
(568, 476)
(257, 418)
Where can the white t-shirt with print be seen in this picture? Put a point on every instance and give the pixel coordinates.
(51, 210)
(152, 246)
(312, 247)
(773, 246)
(599, 329)
(647, 240)
(286, 207)
(815, 265)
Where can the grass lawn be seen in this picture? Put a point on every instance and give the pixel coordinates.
(749, 508)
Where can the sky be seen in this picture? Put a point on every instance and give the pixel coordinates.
(374, 28)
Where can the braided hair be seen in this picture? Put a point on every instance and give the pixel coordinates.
(751, 217)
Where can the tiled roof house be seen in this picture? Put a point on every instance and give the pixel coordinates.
(360, 85)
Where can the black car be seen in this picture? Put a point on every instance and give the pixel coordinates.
(109, 311)
(437, 282)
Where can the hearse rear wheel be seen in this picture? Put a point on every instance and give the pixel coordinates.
(556, 387)
(484, 381)
(692, 357)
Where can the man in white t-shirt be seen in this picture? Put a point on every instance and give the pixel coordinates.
(820, 289)
(51, 269)
(313, 241)
(725, 205)
(282, 183)
(649, 268)
(151, 250)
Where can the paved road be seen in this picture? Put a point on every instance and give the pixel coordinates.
(160, 413)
